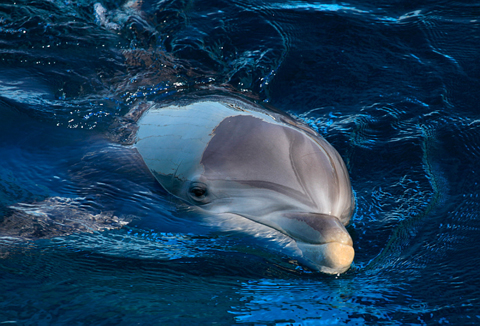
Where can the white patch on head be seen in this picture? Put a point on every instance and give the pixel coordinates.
(172, 139)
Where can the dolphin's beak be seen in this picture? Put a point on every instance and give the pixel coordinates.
(323, 240)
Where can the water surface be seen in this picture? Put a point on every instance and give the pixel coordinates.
(392, 85)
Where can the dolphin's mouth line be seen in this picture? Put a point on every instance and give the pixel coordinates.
(265, 224)
(330, 256)
(293, 237)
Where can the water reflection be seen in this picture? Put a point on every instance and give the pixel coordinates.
(394, 88)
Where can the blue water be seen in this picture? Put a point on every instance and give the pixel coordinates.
(393, 85)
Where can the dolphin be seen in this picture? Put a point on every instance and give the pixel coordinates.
(228, 156)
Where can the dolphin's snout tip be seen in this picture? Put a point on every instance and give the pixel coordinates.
(324, 242)
(338, 256)
(330, 258)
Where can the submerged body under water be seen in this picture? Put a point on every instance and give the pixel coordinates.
(393, 87)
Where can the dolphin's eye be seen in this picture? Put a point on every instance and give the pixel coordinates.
(198, 191)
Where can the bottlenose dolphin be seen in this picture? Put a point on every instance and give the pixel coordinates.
(227, 156)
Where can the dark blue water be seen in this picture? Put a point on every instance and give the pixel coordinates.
(393, 85)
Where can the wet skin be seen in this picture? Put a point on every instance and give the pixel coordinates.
(229, 157)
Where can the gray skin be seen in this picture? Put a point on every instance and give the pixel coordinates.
(232, 160)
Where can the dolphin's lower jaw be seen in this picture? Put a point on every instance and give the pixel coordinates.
(330, 253)
(322, 239)
(330, 258)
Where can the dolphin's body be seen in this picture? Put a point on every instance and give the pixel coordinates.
(230, 157)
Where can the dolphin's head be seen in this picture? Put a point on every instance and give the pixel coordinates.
(260, 169)
(321, 239)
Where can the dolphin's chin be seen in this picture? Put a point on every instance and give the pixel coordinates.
(330, 258)
(317, 241)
